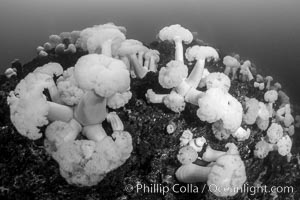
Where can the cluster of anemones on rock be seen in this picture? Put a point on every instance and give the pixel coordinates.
(79, 97)
(217, 106)
(81, 94)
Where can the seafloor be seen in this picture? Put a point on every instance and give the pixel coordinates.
(27, 172)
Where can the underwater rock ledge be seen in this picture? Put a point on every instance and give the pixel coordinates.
(28, 172)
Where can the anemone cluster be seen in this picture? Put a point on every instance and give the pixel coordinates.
(76, 106)
(64, 43)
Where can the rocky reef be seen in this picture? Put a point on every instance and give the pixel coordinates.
(27, 171)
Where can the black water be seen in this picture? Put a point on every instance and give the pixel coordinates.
(266, 32)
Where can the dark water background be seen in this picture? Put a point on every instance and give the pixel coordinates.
(265, 31)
